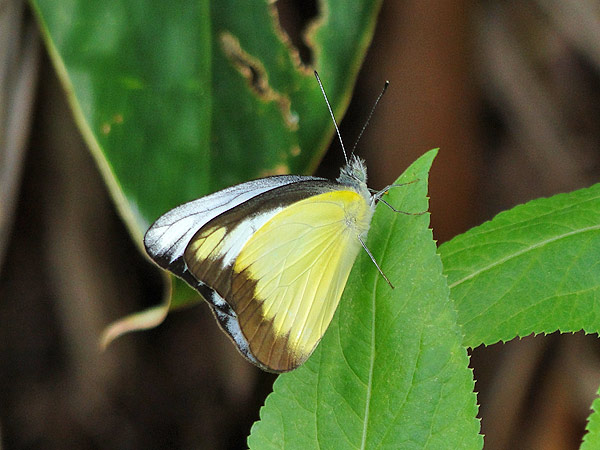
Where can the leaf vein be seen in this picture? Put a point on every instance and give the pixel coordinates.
(522, 252)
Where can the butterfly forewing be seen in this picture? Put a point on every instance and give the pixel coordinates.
(168, 237)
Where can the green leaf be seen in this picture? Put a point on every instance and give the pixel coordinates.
(591, 440)
(183, 98)
(533, 269)
(390, 372)
(178, 99)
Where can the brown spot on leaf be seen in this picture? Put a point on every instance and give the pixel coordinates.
(256, 76)
(280, 169)
(106, 127)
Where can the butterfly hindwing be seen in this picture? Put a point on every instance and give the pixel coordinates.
(281, 261)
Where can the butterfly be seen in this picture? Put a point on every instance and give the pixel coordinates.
(271, 256)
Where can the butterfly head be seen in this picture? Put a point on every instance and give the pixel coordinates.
(353, 172)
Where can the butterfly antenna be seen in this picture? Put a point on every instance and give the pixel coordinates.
(385, 86)
(332, 116)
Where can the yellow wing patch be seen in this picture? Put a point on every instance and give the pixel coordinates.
(208, 244)
(288, 278)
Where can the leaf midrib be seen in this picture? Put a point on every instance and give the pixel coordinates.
(373, 343)
(522, 252)
(371, 368)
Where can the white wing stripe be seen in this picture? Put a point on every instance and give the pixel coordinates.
(168, 237)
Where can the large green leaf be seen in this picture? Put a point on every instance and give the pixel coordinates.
(178, 99)
(533, 269)
(390, 372)
(181, 98)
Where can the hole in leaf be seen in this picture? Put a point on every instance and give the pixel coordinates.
(295, 19)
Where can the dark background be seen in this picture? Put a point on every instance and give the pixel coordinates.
(510, 92)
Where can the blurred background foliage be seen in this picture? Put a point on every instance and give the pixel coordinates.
(509, 90)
